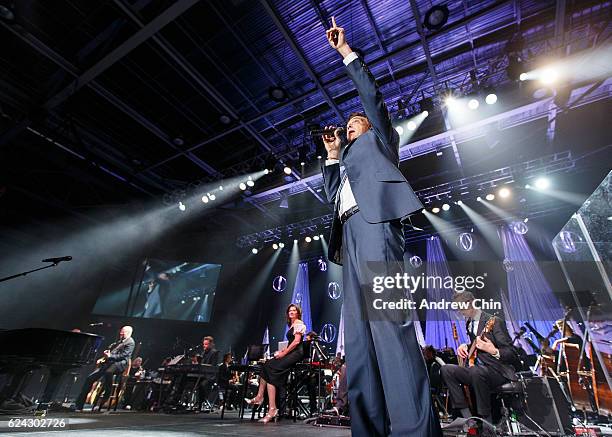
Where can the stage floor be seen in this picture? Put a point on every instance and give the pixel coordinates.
(165, 425)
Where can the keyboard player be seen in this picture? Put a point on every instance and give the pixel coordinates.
(114, 362)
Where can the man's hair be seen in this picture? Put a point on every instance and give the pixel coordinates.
(209, 338)
(311, 334)
(465, 296)
(357, 114)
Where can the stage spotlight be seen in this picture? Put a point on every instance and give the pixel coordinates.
(266, 171)
(473, 104)
(399, 129)
(287, 170)
(479, 199)
(295, 241)
(436, 17)
(424, 211)
(439, 153)
(523, 77)
(504, 192)
(451, 102)
(308, 239)
(254, 250)
(250, 183)
(321, 236)
(281, 245)
(182, 206)
(316, 238)
(225, 119)
(183, 302)
(526, 219)
(435, 210)
(459, 202)
(446, 207)
(542, 183)
(548, 76)
(242, 186)
(491, 99)
(277, 93)
(425, 113)
(205, 198)
(212, 196)
(275, 246)
(411, 125)
(220, 187)
(490, 196)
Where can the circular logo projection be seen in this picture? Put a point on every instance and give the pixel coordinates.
(519, 227)
(416, 261)
(322, 265)
(279, 284)
(298, 298)
(465, 241)
(567, 241)
(328, 333)
(333, 290)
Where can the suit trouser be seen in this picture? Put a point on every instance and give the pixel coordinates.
(388, 385)
(105, 372)
(481, 378)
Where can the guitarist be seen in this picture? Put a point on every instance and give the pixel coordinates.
(494, 361)
(114, 362)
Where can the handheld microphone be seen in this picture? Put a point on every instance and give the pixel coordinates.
(322, 132)
(57, 260)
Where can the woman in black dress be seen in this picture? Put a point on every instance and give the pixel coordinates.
(275, 371)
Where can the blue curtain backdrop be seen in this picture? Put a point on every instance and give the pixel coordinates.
(438, 326)
(529, 293)
(301, 295)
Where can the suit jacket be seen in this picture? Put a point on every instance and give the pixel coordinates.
(371, 163)
(210, 357)
(508, 355)
(121, 352)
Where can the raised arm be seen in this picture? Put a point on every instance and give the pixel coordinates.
(369, 93)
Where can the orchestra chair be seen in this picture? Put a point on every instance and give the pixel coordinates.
(117, 389)
(513, 397)
(438, 390)
(290, 398)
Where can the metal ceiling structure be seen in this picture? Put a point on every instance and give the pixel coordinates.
(156, 94)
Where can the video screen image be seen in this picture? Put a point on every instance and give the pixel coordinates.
(165, 290)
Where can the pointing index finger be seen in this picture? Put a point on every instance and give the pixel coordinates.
(333, 21)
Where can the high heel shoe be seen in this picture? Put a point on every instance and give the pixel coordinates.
(253, 401)
(269, 418)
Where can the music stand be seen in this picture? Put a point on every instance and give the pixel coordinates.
(255, 352)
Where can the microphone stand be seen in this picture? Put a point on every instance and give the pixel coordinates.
(7, 278)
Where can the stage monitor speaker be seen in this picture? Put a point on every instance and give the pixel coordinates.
(547, 406)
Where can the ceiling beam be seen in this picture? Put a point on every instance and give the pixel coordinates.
(298, 52)
(194, 74)
(60, 61)
(146, 32)
(377, 36)
(452, 51)
(434, 76)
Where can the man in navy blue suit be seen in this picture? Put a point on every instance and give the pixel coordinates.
(388, 385)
